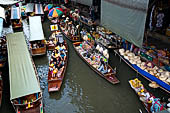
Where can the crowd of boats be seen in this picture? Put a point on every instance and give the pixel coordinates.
(92, 46)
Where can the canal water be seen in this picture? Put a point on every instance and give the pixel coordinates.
(84, 91)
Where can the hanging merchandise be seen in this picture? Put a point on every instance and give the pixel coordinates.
(159, 22)
(151, 17)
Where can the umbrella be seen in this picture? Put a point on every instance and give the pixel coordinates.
(54, 12)
(48, 7)
(59, 8)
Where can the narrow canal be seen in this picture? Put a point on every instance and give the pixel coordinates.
(84, 91)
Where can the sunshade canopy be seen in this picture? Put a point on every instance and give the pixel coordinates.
(15, 12)
(48, 7)
(8, 2)
(36, 31)
(1, 26)
(39, 9)
(2, 12)
(126, 18)
(29, 7)
(22, 76)
(85, 2)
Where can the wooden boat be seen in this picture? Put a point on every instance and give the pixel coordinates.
(107, 42)
(37, 40)
(16, 18)
(145, 74)
(135, 84)
(1, 86)
(109, 76)
(25, 96)
(54, 83)
(69, 36)
(39, 11)
(51, 43)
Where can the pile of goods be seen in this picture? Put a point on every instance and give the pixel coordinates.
(146, 97)
(86, 20)
(103, 51)
(91, 56)
(146, 66)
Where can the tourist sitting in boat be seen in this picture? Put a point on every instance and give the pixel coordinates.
(103, 67)
(63, 55)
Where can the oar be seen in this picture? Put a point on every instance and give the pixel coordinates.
(140, 111)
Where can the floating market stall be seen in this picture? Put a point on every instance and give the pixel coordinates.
(16, 17)
(147, 69)
(56, 73)
(8, 2)
(25, 93)
(39, 11)
(29, 9)
(37, 40)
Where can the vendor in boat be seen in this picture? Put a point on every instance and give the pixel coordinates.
(103, 66)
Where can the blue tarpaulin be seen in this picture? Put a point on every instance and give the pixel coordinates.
(151, 77)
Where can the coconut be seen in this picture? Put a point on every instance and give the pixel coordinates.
(155, 68)
(162, 77)
(101, 49)
(142, 67)
(97, 47)
(122, 50)
(168, 80)
(151, 72)
(160, 70)
(127, 51)
(126, 57)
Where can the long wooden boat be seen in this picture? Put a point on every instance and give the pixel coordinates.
(16, 18)
(25, 96)
(1, 86)
(54, 83)
(70, 37)
(109, 76)
(37, 40)
(145, 74)
(145, 104)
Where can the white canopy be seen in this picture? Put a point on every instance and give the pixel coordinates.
(39, 9)
(36, 31)
(8, 2)
(2, 12)
(29, 7)
(15, 12)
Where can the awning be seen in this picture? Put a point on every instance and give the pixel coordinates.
(8, 2)
(29, 7)
(36, 31)
(22, 76)
(39, 9)
(84, 2)
(2, 12)
(1, 26)
(15, 12)
(126, 18)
